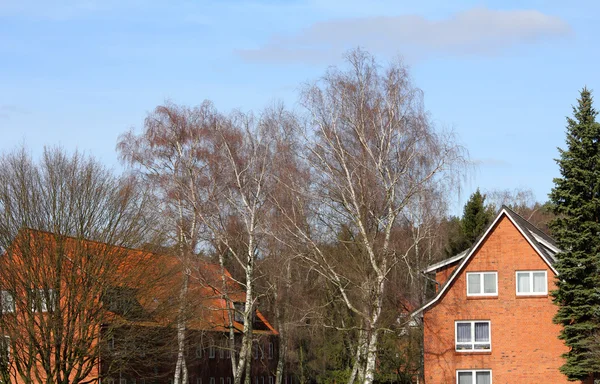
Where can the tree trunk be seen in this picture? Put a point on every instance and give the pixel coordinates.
(181, 374)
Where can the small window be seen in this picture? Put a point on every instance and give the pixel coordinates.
(221, 354)
(271, 351)
(228, 353)
(7, 301)
(199, 351)
(5, 348)
(229, 380)
(474, 377)
(212, 380)
(42, 300)
(532, 283)
(198, 380)
(473, 336)
(211, 353)
(238, 315)
(221, 380)
(270, 379)
(482, 283)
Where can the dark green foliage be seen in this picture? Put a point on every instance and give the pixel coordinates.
(576, 202)
(464, 231)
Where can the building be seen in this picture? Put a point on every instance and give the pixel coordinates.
(77, 309)
(491, 318)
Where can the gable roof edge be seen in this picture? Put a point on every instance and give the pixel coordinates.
(504, 211)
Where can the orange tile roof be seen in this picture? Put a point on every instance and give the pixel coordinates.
(157, 278)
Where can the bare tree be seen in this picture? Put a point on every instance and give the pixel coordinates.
(170, 156)
(373, 154)
(52, 276)
(246, 152)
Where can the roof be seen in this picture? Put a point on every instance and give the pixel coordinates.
(543, 244)
(151, 281)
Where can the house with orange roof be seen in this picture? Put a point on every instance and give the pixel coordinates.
(75, 310)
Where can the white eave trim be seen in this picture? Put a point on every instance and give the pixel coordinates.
(545, 243)
(443, 263)
(472, 250)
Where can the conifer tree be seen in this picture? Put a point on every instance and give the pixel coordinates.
(476, 217)
(575, 200)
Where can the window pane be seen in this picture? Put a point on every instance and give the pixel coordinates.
(483, 377)
(474, 283)
(539, 282)
(465, 378)
(463, 332)
(482, 332)
(489, 283)
(523, 282)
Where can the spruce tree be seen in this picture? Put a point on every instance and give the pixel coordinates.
(575, 200)
(476, 217)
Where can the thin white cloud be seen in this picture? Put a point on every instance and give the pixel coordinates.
(8, 110)
(479, 31)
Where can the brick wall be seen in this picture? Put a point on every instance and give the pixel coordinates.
(525, 348)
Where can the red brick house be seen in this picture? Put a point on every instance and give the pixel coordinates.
(491, 319)
(115, 308)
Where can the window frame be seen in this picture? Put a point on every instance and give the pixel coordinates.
(474, 372)
(481, 283)
(39, 302)
(211, 352)
(6, 344)
(473, 343)
(531, 293)
(7, 293)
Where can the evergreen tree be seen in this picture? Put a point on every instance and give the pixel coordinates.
(576, 202)
(476, 217)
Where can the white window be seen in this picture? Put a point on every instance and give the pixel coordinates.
(199, 380)
(221, 380)
(474, 377)
(7, 301)
(229, 380)
(482, 283)
(221, 354)
(532, 283)
(43, 300)
(270, 379)
(211, 353)
(5, 345)
(212, 380)
(473, 336)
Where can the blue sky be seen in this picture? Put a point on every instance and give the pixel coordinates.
(502, 74)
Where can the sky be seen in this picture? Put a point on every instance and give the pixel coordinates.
(502, 75)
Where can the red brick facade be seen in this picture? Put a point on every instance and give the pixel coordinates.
(524, 344)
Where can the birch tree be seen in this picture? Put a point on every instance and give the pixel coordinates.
(372, 152)
(170, 156)
(246, 151)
